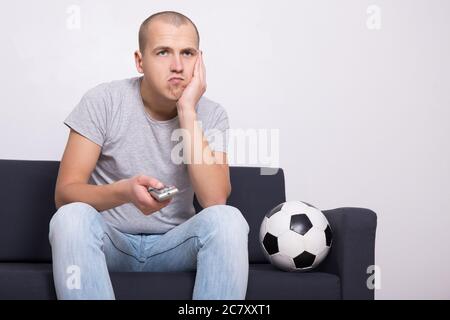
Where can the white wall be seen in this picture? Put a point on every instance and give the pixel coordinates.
(363, 114)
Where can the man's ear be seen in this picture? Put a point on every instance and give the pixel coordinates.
(138, 61)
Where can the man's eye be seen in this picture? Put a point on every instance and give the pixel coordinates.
(165, 51)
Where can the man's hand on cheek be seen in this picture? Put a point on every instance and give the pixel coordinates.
(196, 87)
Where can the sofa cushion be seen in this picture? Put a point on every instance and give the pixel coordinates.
(26, 281)
(27, 195)
(34, 281)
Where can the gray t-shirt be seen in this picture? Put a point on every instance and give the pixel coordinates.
(113, 116)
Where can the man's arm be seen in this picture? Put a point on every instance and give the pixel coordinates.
(208, 170)
(78, 161)
(211, 181)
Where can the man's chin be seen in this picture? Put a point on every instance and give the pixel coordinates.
(174, 95)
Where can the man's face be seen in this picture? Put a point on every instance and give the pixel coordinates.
(170, 52)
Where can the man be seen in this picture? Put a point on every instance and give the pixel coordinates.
(120, 144)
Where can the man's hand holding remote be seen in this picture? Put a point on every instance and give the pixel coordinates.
(136, 191)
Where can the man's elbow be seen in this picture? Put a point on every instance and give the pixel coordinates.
(218, 199)
(58, 202)
(212, 202)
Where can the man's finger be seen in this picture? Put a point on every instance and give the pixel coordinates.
(155, 183)
(150, 182)
(197, 65)
(202, 70)
(165, 202)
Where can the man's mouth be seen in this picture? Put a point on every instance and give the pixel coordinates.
(175, 81)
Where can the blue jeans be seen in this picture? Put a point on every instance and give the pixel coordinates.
(85, 247)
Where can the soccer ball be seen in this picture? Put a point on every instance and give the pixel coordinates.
(295, 236)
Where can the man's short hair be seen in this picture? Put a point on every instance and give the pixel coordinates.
(174, 18)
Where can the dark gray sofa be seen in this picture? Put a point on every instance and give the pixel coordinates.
(27, 204)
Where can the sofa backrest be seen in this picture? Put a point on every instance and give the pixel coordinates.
(27, 205)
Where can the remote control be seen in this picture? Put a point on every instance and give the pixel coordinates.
(163, 193)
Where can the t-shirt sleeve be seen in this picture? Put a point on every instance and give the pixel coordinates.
(217, 133)
(89, 117)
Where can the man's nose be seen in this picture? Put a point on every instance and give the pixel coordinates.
(177, 64)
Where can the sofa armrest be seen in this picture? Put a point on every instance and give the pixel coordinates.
(352, 250)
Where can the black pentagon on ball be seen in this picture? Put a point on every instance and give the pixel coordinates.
(300, 223)
(328, 235)
(274, 210)
(270, 243)
(304, 260)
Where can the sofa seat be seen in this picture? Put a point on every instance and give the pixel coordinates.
(35, 281)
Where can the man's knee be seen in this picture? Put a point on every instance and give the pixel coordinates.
(227, 219)
(73, 219)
